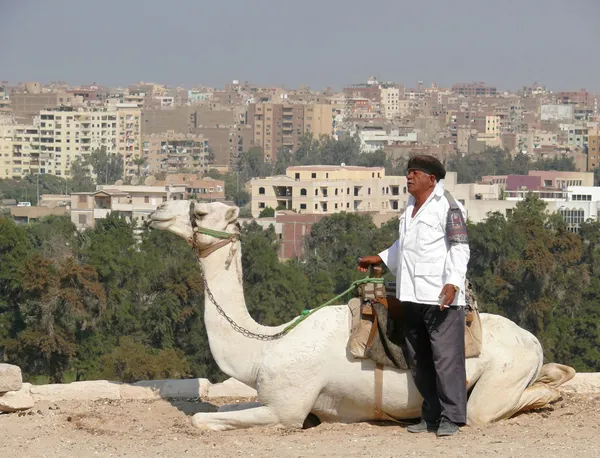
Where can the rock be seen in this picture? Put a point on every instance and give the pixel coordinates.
(230, 388)
(77, 391)
(14, 401)
(583, 382)
(10, 378)
(155, 389)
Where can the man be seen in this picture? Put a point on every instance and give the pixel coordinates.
(430, 262)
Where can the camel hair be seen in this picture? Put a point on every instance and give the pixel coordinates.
(309, 372)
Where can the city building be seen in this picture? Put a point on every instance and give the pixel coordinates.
(329, 189)
(132, 202)
(474, 90)
(172, 152)
(277, 126)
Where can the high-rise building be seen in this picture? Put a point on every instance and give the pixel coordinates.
(173, 152)
(277, 126)
(60, 135)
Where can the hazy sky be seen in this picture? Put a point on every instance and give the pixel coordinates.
(508, 43)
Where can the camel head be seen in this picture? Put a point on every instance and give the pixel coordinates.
(177, 217)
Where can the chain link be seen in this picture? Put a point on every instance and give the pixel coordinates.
(245, 332)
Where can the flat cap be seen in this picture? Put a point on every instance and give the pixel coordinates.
(427, 164)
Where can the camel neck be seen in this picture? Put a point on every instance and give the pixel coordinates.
(236, 354)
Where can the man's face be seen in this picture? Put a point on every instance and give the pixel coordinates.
(418, 182)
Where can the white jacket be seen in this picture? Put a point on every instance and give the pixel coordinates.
(422, 257)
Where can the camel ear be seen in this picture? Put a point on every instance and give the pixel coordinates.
(232, 214)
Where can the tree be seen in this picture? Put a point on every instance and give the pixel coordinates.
(107, 167)
(81, 180)
(267, 212)
(139, 162)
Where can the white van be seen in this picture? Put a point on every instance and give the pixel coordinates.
(24, 204)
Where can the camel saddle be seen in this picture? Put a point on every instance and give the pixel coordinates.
(376, 328)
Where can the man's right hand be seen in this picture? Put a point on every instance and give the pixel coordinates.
(365, 262)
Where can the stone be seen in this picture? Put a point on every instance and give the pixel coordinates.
(77, 391)
(583, 382)
(231, 388)
(10, 378)
(154, 389)
(14, 401)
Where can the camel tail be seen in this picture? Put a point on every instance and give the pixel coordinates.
(555, 375)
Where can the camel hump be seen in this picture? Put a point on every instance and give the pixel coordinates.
(555, 374)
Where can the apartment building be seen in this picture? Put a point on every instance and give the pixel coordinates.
(26, 106)
(4, 102)
(277, 126)
(593, 155)
(173, 152)
(329, 189)
(6, 146)
(474, 90)
(132, 202)
(70, 133)
(390, 102)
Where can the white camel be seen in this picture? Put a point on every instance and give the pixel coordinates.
(309, 370)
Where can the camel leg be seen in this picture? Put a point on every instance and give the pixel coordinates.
(535, 397)
(486, 404)
(555, 374)
(238, 419)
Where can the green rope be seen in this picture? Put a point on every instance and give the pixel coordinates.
(306, 313)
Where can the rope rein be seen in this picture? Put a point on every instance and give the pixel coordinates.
(226, 239)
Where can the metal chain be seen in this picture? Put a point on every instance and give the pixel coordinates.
(234, 325)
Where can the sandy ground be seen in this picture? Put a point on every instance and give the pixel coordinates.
(163, 429)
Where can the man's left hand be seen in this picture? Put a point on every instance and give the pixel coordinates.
(448, 293)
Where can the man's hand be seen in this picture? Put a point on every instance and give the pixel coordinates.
(365, 262)
(448, 293)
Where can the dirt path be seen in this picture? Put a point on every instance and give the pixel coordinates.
(163, 429)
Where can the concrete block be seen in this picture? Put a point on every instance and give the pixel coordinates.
(186, 388)
(231, 388)
(10, 378)
(583, 382)
(14, 401)
(77, 391)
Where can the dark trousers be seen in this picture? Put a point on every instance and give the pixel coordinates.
(435, 341)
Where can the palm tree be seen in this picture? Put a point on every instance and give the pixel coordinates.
(139, 161)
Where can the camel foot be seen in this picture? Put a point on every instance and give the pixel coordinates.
(236, 419)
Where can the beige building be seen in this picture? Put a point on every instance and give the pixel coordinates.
(390, 102)
(6, 147)
(330, 189)
(277, 126)
(68, 133)
(133, 202)
(174, 152)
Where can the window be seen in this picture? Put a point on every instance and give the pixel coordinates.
(297, 175)
(302, 206)
(82, 218)
(316, 206)
(261, 205)
(146, 199)
(326, 175)
(313, 175)
(336, 191)
(316, 192)
(303, 192)
(82, 199)
(348, 191)
(347, 204)
(261, 190)
(369, 191)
